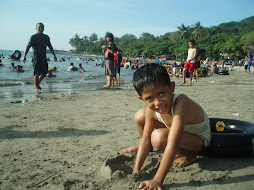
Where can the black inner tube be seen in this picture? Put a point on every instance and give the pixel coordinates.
(16, 55)
(235, 140)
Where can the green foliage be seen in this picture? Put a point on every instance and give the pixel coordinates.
(235, 39)
(247, 42)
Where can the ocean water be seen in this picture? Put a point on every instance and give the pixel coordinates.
(19, 86)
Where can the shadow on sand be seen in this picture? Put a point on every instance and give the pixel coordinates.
(7, 132)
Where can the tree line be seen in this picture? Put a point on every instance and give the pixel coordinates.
(232, 39)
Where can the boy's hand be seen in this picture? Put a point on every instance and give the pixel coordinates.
(24, 59)
(151, 185)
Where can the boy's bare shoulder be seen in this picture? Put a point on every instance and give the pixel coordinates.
(182, 98)
(183, 102)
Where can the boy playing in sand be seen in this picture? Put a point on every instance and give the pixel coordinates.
(171, 122)
(191, 60)
(39, 43)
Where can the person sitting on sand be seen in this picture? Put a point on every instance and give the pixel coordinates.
(215, 70)
(171, 122)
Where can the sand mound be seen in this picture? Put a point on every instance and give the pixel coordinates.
(121, 166)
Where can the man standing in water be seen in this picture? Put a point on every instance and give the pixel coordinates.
(39, 43)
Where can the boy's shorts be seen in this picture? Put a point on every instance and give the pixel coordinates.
(190, 66)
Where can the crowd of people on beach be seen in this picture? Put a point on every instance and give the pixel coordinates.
(194, 66)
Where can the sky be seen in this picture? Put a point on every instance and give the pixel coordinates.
(65, 18)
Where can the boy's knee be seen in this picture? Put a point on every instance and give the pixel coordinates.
(140, 115)
(158, 140)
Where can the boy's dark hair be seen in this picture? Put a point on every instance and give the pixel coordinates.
(192, 41)
(150, 75)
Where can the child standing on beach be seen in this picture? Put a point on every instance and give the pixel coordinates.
(109, 51)
(115, 68)
(39, 43)
(171, 122)
(191, 60)
(119, 61)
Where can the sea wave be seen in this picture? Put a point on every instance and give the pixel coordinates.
(12, 83)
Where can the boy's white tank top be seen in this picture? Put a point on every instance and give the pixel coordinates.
(190, 55)
(194, 129)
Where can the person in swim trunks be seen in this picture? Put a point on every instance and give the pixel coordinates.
(39, 43)
(171, 122)
(191, 60)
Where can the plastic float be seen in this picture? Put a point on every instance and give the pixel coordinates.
(223, 72)
(15, 55)
(230, 138)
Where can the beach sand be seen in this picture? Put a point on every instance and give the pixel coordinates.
(74, 141)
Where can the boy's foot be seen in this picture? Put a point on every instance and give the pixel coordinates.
(130, 149)
(184, 159)
(182, 83)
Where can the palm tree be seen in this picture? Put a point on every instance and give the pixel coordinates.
(198, 31)
(183, 32)
(212, 30)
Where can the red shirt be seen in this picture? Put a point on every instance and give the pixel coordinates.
(115, 59)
